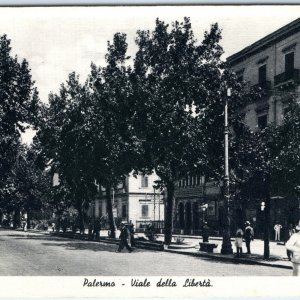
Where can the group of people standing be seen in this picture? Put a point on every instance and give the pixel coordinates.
(247, 236)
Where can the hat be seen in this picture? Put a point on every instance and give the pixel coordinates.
(247, 223)
(297, 227)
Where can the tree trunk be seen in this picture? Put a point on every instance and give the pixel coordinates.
(81, 218)
(16, 218)
(28, 220)
(267, 220)
(110, 212)
(169, 212)
(58, 224)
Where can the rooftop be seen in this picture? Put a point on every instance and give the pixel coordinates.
(265, 42)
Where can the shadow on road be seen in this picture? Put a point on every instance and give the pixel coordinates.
(71, 244)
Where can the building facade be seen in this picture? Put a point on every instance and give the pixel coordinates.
(135, 199)
(196, 202)
(273, 64)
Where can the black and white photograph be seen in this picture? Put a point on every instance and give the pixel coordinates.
(146, 141)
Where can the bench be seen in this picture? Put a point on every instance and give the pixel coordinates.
(207, 247)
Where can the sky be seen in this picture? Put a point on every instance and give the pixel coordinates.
(58, 40)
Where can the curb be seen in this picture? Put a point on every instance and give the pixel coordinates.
(234, 260)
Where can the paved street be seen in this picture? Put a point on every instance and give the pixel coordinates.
(36, 254)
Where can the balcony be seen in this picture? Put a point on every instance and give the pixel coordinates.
(266, 92)
(292, 76)
(265, 86)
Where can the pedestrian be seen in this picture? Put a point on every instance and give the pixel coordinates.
(205, 232)
(249, 236)
(131, 231)
(277, 229)
(90, 229)
(293, 245)
(96, 230)
(53, 226)
(239, 243)
(149, 233)
(290, 232)
(124, 239)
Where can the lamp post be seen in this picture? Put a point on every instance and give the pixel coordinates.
(226, 244)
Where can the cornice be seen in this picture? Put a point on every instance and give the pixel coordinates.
(265, 42)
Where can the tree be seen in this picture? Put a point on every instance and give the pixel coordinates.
(180, 85)
(115, 147)
(65, 144)
(28, 186)
(171, 71)
(18, 107)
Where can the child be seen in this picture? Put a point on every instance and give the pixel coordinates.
(239, 243)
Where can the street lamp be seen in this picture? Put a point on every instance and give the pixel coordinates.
(226, 244)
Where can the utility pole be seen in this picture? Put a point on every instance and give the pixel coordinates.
(226, 244)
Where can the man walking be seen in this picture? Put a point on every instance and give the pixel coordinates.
(293, 245)
(249, 235)
(123, 239)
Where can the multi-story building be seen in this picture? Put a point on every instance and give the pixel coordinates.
(273, 64)
(135, 199)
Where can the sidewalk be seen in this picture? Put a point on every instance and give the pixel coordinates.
(278, 257)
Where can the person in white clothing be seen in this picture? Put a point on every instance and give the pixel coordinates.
(277, 229)
(293, 245)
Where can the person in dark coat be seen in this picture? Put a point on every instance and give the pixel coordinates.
(96, 230)
(124, 235)
(248, 236)
(90, 229)
(131, 232)
(205, 232)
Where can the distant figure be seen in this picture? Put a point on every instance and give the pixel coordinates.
(90, 230)
(149, 233)
(131, 232)
(53, 226)
(293, 245)
(239, 243)
(277, 229)
(123, 239)
(249, 236)
(96, 230)
(205, 232)
(239, 230)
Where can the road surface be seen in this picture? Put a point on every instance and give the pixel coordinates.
(23, 254)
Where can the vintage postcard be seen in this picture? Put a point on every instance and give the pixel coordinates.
(150, 151)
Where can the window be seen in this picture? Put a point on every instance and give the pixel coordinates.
(144, 181)
(262, 121)
(240, 75)
(262, 75)
(145, 211)
(179, 183)
(289, 64)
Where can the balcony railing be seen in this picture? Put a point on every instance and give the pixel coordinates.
(293, 75)
(265, 86)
